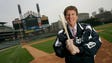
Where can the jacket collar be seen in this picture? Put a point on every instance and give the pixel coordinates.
(79, 30)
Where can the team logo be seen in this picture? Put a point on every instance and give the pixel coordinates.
(78, 40)
(91, 45)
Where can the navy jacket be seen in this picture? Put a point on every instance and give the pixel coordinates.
(87, 40)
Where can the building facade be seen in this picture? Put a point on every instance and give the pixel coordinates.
(83, 16)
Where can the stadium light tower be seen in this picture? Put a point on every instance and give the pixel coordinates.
(38, 16)
(21, 26)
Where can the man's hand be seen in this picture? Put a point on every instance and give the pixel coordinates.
(71, 47)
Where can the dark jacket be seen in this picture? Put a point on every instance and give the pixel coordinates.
(87, 40)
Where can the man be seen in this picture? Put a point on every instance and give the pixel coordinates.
(83, 44)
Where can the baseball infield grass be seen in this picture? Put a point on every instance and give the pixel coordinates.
(106, 31)
(15, 55)
(45, 46)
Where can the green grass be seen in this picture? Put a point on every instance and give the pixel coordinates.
(104, 27)
(36, 40)
(106, 35)
(107, 31)
(15, 55)
(45, 46)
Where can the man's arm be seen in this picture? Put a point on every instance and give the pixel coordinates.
(58, 46)
(90, 42)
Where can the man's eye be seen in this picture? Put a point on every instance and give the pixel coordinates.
(73, 14)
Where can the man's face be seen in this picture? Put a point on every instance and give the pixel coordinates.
(71, 17)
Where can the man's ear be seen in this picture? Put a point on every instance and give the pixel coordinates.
(77, 17)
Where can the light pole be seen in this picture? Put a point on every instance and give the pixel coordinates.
(21, 26)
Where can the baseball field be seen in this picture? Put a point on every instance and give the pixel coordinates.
(41, 51)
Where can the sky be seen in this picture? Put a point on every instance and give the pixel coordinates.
(50, 8)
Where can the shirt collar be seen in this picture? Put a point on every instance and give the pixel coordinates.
(75, 27)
